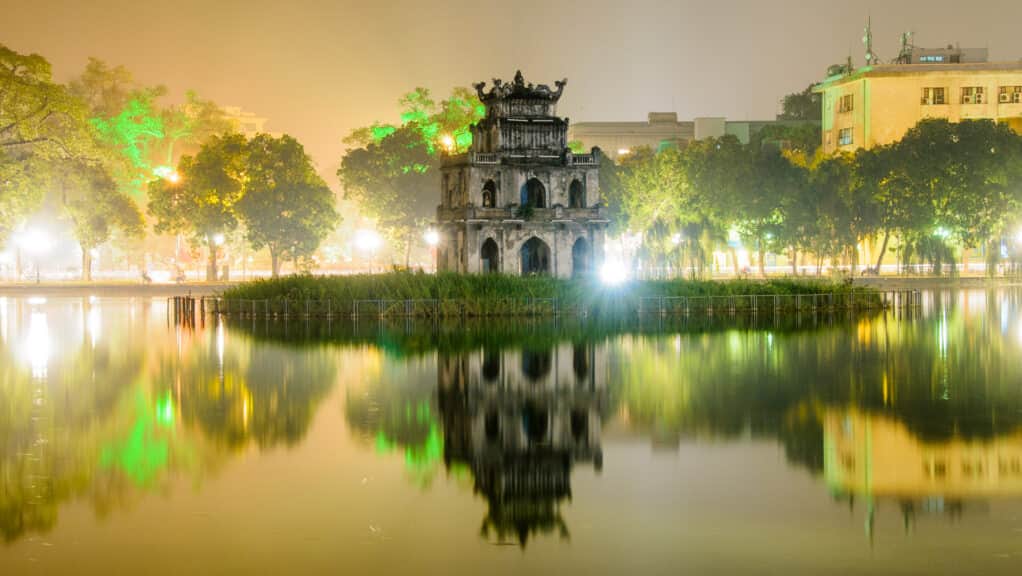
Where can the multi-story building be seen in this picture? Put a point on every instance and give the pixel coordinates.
(244, 122)
(618, 139)
(519, 201)
(876, 105)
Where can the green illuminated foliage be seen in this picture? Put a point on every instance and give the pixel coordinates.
(391, 170)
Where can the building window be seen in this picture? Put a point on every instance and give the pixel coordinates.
(847, 103)
(1011, 95)
(844, 137)
(934, 97)
(974, 95)
(930, 59)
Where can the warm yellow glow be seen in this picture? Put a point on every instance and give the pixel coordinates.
(447, 142)
(432, 237)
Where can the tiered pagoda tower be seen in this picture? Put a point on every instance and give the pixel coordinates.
(519, 201)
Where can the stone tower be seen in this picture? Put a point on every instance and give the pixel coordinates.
(519, 201)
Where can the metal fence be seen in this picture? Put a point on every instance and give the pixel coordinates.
(663, 306)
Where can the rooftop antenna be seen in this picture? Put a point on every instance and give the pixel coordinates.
(867, 41)
(905, 54)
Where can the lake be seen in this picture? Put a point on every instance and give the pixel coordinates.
(817, 444)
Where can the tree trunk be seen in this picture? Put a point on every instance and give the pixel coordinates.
(86, 265)
(794, 261)
(760, 257)
(734, 262)
(819, 265)
(408, 254)
(275, 263)
(211, 266)
(883, 250)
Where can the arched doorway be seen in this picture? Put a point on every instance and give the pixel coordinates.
(490, 256)
(534, 194)
(581, 258)
(535, 255)
(489, 194)
(576, 195)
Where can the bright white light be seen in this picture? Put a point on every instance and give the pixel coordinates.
(623, 151)
(174, 177)
(432, 237)
(167, 173)
(1018, 236)
(613, 272)
(367, 240)
(34, 241)
(676, 239)
(37, 300)
(942, 233)
(219, 239)
(160, 276)
(447, 142)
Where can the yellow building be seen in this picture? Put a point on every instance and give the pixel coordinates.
(877, 457)
(877, 105)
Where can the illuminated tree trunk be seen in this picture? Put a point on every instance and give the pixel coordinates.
(883, 250)
(86, 264)
(275, 263)
(794, 261)
(760, 257)
(211, 266)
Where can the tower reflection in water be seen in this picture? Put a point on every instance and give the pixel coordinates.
(520, 420)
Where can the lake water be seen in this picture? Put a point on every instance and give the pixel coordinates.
(826, 444)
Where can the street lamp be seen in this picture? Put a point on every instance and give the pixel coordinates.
(447, 142)
(368, 241)
(37, 243)
(432, 238)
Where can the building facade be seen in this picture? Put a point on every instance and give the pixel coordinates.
(618, 139)
(519, 201)
(877, 105)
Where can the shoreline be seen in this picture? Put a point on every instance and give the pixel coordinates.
(114, 289)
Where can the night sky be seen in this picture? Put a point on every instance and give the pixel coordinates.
(319, 68)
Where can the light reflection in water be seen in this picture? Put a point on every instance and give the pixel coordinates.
(519, 419)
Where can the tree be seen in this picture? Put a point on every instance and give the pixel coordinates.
(96, 209)
(392, 173)
(287, 207)
(202, 203)
(804, 105)
(139, 138)
(40, 123)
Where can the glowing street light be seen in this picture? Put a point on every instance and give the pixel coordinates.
(613, 272)
(37, 243)
(447, 142)
(368, 241)
(432, 237)
(219, 239)
(676, 239)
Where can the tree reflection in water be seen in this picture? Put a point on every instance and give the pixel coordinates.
(110, 407)
(96, 404)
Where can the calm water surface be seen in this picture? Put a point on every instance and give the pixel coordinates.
(818, 445)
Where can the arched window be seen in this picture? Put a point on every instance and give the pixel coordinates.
(490, 257)
(581, 259)
(580, 362)
(536, 364)
(491, 365)
(534, 194)
(489, 194)
(576, 194)
(536, 421)
(535, 256)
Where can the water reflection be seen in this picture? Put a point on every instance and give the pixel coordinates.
(98, 404)
(102, 401)
(519, 420)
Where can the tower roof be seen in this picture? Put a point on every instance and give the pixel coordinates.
(519, 90)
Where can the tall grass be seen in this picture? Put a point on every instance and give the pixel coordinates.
(481, 295)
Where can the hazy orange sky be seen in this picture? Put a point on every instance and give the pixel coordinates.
(319, 68)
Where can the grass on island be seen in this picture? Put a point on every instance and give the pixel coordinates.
(493, 294)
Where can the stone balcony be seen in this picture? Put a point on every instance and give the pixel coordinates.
(542, 215)
(521, 156)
